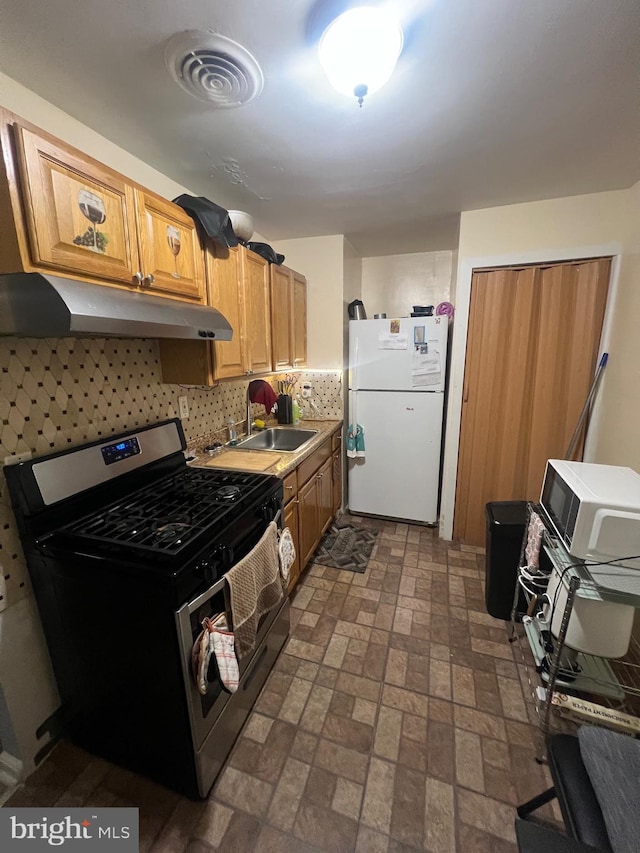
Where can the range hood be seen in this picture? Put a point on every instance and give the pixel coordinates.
(45, 306)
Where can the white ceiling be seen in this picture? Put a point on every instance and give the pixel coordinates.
(492, 102)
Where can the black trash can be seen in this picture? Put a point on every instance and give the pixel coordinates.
(506, 522)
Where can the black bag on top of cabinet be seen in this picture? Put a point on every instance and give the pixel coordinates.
(265, 251)
(211, 220)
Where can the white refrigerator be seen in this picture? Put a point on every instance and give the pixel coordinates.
(396, 394)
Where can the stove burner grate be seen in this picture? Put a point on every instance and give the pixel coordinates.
(171, 513)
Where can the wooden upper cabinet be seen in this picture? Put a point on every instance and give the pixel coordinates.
(299, 321)
(281, 317)
(288, 318)
(224, 275)
(80, 216)
(86, 220)
(171, 259)
(238, 286)
(257, 331)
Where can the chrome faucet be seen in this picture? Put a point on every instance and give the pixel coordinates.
(249, 413)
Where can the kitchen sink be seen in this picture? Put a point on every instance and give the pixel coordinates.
(278, 438)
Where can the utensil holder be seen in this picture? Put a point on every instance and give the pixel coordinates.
(285, 409)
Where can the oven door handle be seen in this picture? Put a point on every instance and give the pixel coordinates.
(204, 597)
(278, 516)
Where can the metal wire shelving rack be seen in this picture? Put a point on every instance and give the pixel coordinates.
(560, 671)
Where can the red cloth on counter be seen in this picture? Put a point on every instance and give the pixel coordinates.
(261, 392)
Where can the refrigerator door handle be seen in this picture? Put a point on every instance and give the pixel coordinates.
(355, 369)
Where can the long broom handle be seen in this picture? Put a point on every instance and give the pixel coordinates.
(587, 404)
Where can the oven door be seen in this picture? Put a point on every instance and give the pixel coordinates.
(218, 717)
(205, 710)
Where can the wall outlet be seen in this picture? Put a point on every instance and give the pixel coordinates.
(183, 405)
(18, 457)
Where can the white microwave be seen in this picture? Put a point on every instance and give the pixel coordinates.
(594, 509)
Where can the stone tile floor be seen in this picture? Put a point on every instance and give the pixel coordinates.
(397, 719)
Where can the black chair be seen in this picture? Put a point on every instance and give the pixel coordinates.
(533, 838)
(578, 803)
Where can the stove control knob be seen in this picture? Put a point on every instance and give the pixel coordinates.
(223, 555)
(203, 569)
(269, 510)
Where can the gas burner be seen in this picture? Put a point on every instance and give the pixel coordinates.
(170, 533)
(227, 493)
(125, 526)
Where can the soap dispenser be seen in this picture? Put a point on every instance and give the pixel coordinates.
(233, 432)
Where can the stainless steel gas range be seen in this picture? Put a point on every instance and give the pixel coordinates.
(127, 549)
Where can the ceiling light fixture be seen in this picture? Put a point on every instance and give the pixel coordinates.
(359, 50)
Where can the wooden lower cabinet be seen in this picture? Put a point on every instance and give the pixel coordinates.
(325, 497)
(309, 515)
(336, 479)
(308, 532)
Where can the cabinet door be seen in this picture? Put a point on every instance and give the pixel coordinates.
(309, 532)
(257, 329)
(291, 521)
(325, 497)
(299, 326)
(80, 215)
(171, 257)
(281, 317)
(336, 478)
(224, 277)
(186, 362)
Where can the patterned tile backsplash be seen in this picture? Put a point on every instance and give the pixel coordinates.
(57, 393)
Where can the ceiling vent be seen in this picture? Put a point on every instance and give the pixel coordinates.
(213, 68)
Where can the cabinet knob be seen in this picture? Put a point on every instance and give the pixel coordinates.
(290, 488)
(149, 279)
(138, 277)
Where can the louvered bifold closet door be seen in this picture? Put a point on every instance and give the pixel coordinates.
(531, 355)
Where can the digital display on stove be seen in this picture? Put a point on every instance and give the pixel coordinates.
(121, 450)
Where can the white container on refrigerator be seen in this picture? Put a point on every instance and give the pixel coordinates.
(398, 476)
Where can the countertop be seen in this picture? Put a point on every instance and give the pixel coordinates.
(283, 462)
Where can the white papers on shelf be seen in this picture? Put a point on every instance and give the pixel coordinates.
(426, 367)
(388, 341)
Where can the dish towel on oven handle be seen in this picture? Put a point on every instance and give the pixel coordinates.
(286, 552)
(255, 587)
(216, 639)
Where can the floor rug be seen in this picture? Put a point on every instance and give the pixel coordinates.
(346, 546)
